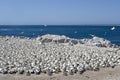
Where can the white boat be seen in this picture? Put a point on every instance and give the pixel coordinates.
(112, 28)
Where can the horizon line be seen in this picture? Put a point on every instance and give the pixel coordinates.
(60, 24)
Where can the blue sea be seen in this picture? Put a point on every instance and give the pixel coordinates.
(111, 33)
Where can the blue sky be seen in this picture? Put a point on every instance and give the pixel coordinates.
(59, 12)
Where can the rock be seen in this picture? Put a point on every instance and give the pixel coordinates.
(53, 38)
(97, 41)
(74, 42)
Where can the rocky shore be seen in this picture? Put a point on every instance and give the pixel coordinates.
(56, 54)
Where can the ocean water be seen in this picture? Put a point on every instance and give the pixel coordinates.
(72, 31)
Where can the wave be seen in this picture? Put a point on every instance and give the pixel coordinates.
(7, 29)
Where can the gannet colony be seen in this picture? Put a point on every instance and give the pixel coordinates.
(56, 54)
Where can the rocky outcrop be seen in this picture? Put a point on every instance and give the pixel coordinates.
(95, 41)
(56, 39)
